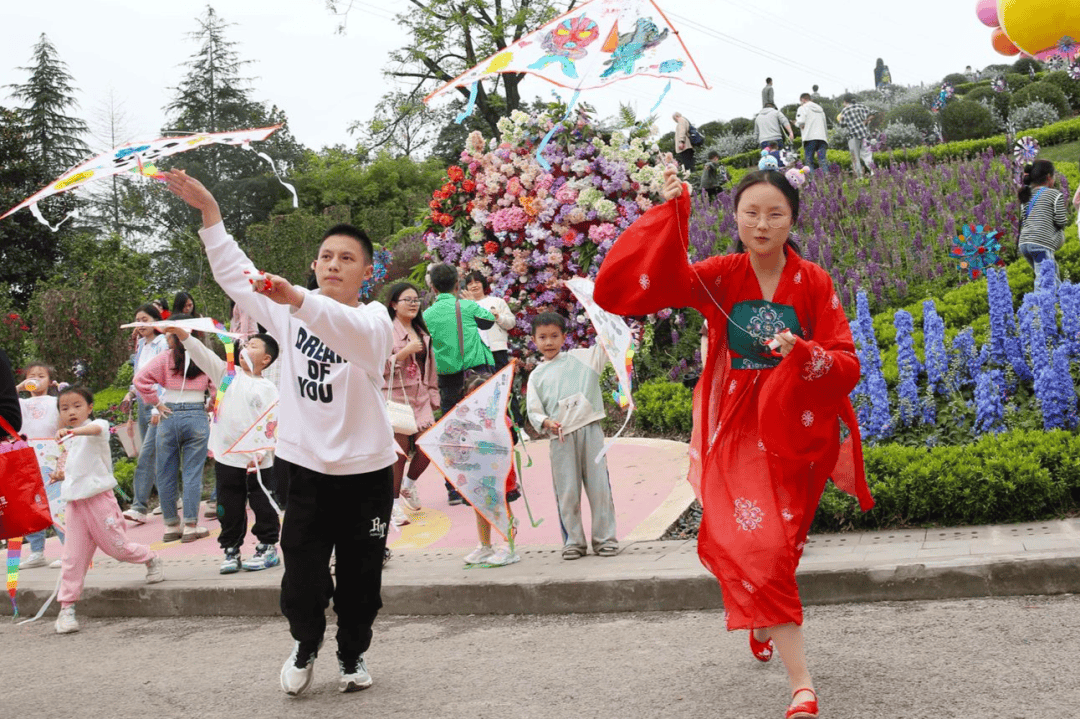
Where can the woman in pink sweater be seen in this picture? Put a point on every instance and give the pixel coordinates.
(182, 434)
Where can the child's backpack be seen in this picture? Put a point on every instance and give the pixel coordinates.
(696, 138)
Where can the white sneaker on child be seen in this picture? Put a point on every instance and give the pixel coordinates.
(35, 559)
(66, 622)
(480, 555)
(155, 571)
(503, 556)
(299, 670)
(397, 516)
(410, 499)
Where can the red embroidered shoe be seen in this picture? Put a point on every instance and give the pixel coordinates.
(803, 710)
(762, 651)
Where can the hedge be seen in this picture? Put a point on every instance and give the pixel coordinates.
(1018, 476)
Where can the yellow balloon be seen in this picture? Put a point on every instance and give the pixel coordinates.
(1037, 26)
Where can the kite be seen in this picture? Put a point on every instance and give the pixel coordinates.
(615, 337)
(14, 554)
(48, 452)
(594, 45)
(976, 249)
(473, 448)
(194, 324)
(139, 158)
(259, 438)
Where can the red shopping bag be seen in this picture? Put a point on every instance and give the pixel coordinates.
(24, 506)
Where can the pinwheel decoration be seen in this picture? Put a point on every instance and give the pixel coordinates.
(975, 249)
(789, 157)
(1074, 69)
(381, 261)
(1026, 150)
(999, 84)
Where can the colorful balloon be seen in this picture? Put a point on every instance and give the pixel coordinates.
(1002, 44)
(986, 10)
(1038, 28)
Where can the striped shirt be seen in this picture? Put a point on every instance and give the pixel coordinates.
(1045, 219)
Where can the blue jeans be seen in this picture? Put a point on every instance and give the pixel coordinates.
(181, 451)
(814, 150)
(779, 147)
(1035, 254)
(146, 469)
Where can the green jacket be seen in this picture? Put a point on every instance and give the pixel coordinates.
(441, 321)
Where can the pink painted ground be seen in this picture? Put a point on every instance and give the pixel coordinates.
(648, 480)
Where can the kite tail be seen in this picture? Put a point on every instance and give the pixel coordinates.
(45, 606)
(608, 445)
(551, 133)
(662, 96)
(521, 488)
(273, 168)
(471, 106)
(262, 486)
(14, 555)
(41, 218)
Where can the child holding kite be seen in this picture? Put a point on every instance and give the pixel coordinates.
(564, 399)
(767, 409)
(244, 398)
(93, 516)
(40, 421)
(335, 445)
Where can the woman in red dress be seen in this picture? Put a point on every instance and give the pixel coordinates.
(767, 432)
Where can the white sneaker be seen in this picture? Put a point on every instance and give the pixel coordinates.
(156, 510)
(35, 559)
(66, 622)
(298, 670)
(155, 571)
(397, 516)
(56, 564)
(354, 675)
(135, 515)
(410, 498)
(503, 556)
(480, 555)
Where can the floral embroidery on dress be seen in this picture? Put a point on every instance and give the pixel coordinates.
(748, 515)
(798, 277)
(717, 281)
(644, 282)
(748, 586)
(695, 454)
(765, 323)
(807, 418)
(731, 387)
(761, 445)
(835, 301)
(800, 546)
(787, 515)
(819, 365)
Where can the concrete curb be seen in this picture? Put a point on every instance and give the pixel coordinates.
(629, 591)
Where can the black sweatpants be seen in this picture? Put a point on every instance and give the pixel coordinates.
(236, 489)
(346, 514)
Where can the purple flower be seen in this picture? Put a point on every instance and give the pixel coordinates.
(937, 361)
(879, 421)
(989, 402)
(1056, 394)
(907, 391)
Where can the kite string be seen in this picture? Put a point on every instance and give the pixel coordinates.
(521, 483)
(540, 159)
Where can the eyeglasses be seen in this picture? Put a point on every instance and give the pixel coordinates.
(409, 301)
(775, 220)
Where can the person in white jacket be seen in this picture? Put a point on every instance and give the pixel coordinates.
(240, 477)
(495, 337)
(810, 118)
(335, 446)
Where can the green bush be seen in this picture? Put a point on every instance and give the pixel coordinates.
(1015, 81)
(1061, 80)
(664, 406)
(1012, 477)
(1025, 65)
(966, 121)
(1045, 92)
(124, 471)
(713, 129)
(956, 79)
(740, 125)
(967, 88)
(913, 114)
(124, 375)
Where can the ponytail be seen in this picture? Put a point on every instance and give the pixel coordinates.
(1036, 173)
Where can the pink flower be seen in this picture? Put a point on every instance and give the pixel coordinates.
(509, 219)
(602, 232)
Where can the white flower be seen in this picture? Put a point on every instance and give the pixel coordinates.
(835, 301)
(748, 586)
(644, 281)
(807, 418)
(787, 515)
(731, 387)
(798, 278)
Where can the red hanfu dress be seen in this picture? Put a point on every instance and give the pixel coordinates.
(766, 431)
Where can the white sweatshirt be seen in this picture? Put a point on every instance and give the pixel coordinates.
(332, 416)
(88, 470)
(497, 335)
(246, 400)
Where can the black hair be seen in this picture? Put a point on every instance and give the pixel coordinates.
(713, 153)
(47, 367)
(178, 303)
(880, 62)
(478, 276)
(179, 353)
(805, 96)
(395, 292)
(770, 105)
(814, 88)
(269, 343)
(777, 180)
(163, 302)
(547, 319)
(81, 390)
(444, 278)
(772, 145)
(151, 309)
(476, 382)
(849, 98)
(768, 80)
(1036, 173)
(357, 234)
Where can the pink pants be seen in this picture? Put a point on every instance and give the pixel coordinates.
(92, 523)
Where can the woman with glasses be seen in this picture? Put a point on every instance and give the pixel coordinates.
(410, 378)
(769, 404)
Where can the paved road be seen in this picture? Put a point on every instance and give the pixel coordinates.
(1005, 658)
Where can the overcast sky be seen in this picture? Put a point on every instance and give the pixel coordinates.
(325, 81)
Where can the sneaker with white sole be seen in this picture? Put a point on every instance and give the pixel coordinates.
(134, 515)
(410, 499)
(299, 669)
(155, 571)
(35, 559)
(354, 674)
(502, 557)
(66, 622)
(156, 510)
(397, 516)
(192, 534)
(231, 564)
(266, 556)
(57, 564)
(480, 555)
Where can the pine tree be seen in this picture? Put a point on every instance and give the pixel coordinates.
(54, 137)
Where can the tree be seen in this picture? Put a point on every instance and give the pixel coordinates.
(449, 37)
(55, 138)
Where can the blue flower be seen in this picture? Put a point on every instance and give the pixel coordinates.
(989, 402)
(879, 422)
(1069, 297)
(1046, 295)
(964, 357)
(906, 361)
(1055, 392)
(937, 361)
(1032, 331)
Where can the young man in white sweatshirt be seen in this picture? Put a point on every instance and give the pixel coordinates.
(247, 398)
(335, 445)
